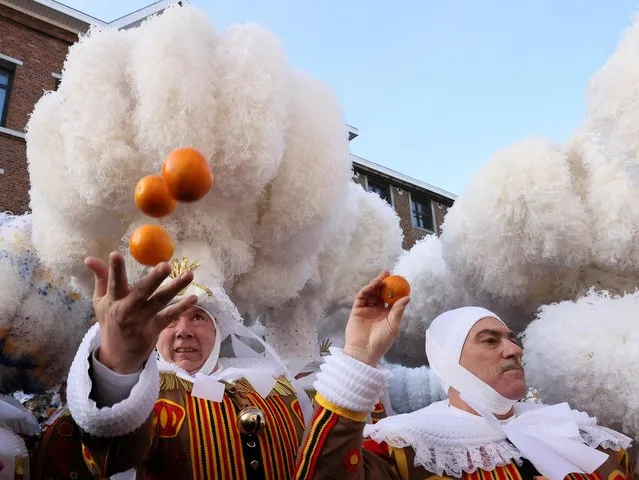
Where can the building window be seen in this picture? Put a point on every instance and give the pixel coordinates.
(5, 85)
(422, 214)
(57, 78)
(380, 189)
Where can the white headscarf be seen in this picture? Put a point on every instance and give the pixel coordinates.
(224, 316)
(445, 340)
(227, 321)
(211, 362)
(549, 436)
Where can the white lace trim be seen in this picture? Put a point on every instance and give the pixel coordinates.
(448, 442)
(598, 436)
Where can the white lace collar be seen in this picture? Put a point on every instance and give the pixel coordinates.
(445, 441)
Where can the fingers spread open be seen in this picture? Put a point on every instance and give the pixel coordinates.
(170, 313)
(101, 274)
(166, 293)
(149, 283)
(118, 285)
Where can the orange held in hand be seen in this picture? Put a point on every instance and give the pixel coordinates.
(153, 198)
(150, 245)
(187, 175)
(393, 288)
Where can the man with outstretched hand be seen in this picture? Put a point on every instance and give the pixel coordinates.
(149, 392)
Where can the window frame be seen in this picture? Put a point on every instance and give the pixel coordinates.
(381, 185)
(5, 107)
(57, 79)
(427, 205)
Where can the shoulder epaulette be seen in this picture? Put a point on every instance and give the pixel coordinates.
(282, 387)
(170, 381)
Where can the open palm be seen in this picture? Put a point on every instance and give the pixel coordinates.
(132, 317)
(372, 325)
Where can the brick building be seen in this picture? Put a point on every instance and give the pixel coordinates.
(421, 207)
(34, 38)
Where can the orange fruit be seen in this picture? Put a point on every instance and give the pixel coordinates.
(187, 175)
(150, 245)
(152, 197)
(393, 288)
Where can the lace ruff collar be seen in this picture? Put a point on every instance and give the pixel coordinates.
(447, 441)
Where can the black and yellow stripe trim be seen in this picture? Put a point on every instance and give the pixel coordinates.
(342, 412)
(323, 422)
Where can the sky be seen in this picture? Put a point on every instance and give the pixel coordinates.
(437, 87)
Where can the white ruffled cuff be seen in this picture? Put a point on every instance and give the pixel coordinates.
(349, 383)
(123, 417)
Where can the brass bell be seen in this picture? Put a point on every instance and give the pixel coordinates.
(251, 421)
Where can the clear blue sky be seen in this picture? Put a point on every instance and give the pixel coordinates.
(436, 86)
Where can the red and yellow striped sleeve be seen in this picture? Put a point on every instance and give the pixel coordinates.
(333, 447)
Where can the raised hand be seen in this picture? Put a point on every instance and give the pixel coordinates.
(372, 326)
(132, 317)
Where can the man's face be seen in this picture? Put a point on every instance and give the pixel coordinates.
(492, 354)
(188, 341)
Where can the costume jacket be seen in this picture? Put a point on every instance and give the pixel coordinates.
(339, 445)
(166, 432)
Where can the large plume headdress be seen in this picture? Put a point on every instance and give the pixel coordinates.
(275, 139)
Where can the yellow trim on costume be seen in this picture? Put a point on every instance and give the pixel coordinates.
(197, 462)
(616, 474)
(170, 381)
(170, 416)
(342, 412)
(323, 421)
(272, 443)
(401, 461)
(282, 387)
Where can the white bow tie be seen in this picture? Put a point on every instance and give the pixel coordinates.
(549, 437)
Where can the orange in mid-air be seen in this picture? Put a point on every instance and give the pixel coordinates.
(187, 174)
(152, 196)
(150, 245)
(393, 288)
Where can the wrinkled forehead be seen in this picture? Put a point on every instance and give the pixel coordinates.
(487, 326)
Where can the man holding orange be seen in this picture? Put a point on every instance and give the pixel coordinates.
(180, 412)
(481, 431)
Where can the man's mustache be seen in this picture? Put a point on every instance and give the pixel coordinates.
(514, 365)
